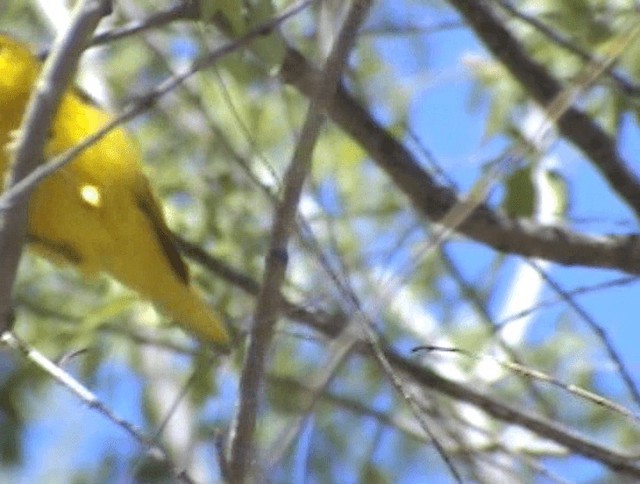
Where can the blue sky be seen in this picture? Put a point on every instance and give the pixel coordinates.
(441, 117)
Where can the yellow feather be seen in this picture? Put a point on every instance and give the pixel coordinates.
(99, 212)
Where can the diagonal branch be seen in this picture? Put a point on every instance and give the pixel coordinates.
(433, 200)
(429, 198)
(575, 125)
(268, 305)
(41, 109)
(619, 462)
(87, 397)
(626, 85)
(426, 379)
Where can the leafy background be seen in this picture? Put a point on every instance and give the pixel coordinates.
(216, 149)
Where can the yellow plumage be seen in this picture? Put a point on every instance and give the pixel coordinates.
(99, 212)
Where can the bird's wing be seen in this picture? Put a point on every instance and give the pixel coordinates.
(147, 204)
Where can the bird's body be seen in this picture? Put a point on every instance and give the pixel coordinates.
(98, 212)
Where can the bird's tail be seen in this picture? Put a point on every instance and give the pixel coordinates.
(191, 312)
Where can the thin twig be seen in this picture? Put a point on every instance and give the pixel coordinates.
(619, 461)
(28, 153)
(574, 124)
(426, 379)
(597, 328)
(317, 384)
(91, 400)
(626, 85)
(268, 304)
(540, 376)
(433, 200)
(487, 226)
(617, 282)
(19, 190)
(473, 298)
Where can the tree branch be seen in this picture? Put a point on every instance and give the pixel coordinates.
(330, 325)
(268, 305)
(574, 124)
(43, 104)
(433, 200)
(429, 198)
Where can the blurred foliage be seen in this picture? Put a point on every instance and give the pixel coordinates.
(216, 149)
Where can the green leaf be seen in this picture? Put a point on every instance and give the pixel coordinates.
(231, 12)
(519, 200)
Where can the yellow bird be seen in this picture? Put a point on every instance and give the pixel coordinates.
(98, 212)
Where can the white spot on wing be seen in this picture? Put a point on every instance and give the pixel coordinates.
(90, 194)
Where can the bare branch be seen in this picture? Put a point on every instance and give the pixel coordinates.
(28, 155)
(92, 401)
(626, 85)
(428, 380)
(268, 304)
(433, 200)
(574, 124)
